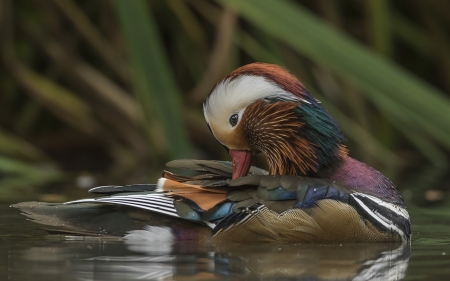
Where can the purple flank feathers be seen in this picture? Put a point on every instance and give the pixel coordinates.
(363, 178)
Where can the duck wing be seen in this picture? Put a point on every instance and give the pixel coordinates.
(131, 207)
(258, 207)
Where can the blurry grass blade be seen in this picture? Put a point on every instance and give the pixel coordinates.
(219, 56)
(30, 174)
(380, 25)
(207, 9)
(14, 146)
(108, 91)
(361, 136)
(304, 32)
(434, 154)
(55, 98)
(407, 116)
(76, 69)
(27, 117)
(189, 22)
(439, 39)
(87, 29)
(411, 34)
(155, 86)
(256, 50)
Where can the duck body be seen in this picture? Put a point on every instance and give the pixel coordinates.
(313, 192)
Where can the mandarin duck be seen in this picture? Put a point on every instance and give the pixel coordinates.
(313, 192)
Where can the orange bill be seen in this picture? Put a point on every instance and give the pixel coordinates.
(242, 160)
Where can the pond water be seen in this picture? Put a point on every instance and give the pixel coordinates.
(28, 253)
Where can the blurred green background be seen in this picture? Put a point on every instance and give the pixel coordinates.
(105, 92)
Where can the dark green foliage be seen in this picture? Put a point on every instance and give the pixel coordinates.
(113, 89)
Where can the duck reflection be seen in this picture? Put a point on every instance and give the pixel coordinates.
(315, 262)
(158, 260)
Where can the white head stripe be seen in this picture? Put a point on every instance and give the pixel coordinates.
(234, 95)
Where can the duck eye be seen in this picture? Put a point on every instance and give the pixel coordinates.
(234, 119)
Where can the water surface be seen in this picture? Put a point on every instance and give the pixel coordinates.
(28, 253)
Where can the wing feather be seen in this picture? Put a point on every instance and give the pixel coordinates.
(157, 202)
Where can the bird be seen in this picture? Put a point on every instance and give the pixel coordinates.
(313, 191)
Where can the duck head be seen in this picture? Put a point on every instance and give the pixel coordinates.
(263, 108)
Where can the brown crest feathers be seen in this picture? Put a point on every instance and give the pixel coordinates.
(271, 72)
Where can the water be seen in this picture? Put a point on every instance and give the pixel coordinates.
(27, 253)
